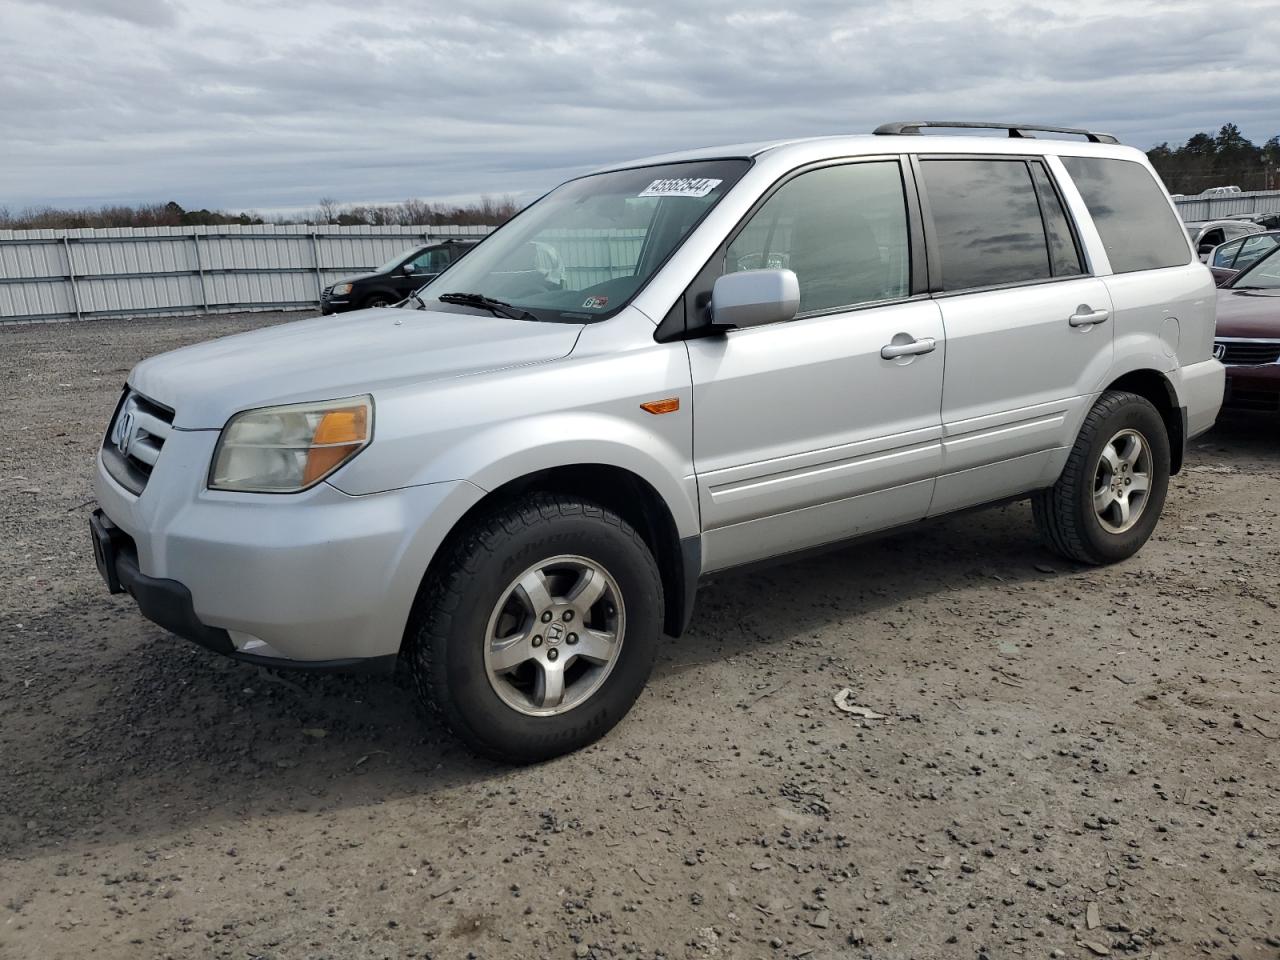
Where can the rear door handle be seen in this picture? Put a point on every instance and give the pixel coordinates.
(1085, 316)
(891, 351)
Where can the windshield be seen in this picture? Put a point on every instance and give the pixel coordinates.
(1262, 275)
(585, 249)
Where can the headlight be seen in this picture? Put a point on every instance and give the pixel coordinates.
(289, 448)
(340, 289)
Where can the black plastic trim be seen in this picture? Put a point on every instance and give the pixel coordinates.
(167, 603)
(691, 557)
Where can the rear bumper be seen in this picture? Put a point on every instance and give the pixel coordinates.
(1200, 387)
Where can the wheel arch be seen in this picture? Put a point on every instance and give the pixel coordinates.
(1155, 387)
(379, 291)
(618, 489)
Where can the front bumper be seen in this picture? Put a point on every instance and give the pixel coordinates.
(336, 306)
(1254, 389)
(316, 579)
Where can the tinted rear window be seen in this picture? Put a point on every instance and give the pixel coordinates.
(987, 220)
(1138, 229)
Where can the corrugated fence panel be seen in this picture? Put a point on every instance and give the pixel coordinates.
(62, 274)
(1192, 209)
(594, 256)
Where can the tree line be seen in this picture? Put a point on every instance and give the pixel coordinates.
(1205, 160)
(1229, 159)
(488, 211)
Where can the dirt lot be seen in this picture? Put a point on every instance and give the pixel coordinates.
(1077, 761)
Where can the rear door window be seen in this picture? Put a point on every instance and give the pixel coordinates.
(989, 225)
(1139, 229)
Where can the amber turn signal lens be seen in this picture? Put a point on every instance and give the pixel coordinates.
(669, 405)
(337, 436)
(349, 425)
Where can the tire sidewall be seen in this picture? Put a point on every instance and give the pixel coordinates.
(1137, 414)
(460, 654)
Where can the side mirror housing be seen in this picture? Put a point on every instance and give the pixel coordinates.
(407, 269)
(753, 298)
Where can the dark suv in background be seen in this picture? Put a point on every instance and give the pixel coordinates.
(394, 280)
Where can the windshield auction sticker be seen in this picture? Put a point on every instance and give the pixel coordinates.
(681, 187)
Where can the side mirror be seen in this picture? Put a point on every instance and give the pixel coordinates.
(753, 298)
(1206, 249)
(407, 269)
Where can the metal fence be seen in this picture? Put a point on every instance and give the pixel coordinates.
(175, 271)
(1216, 208)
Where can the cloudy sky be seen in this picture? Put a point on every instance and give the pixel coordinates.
(271, 104)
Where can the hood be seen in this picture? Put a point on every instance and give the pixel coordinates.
(1249, 313)
(339, 356)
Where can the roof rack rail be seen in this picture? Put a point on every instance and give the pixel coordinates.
(914, 128)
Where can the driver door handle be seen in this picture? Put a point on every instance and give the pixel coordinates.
(891, 351)
(1085, 316)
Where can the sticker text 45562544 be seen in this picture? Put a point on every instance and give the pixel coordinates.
(681, 187)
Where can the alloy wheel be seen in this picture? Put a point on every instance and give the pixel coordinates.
(1122, 481)
(554, 635)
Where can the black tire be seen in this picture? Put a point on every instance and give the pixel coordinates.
(1064, 513)
(449, 631)
(376, 300)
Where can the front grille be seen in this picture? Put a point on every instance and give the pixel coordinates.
(135, 440)
(1249, 353)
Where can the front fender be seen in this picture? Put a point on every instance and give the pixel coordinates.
(491, 430)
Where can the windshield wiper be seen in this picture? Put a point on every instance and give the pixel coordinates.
(421, 304)
(499, 307)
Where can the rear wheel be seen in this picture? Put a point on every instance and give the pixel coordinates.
(1108, 500)
(540, 630)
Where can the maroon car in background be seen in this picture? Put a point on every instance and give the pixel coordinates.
(1248, 335)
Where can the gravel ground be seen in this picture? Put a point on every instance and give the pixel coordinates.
(1076, 762)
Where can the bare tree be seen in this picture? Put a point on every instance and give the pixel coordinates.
(327, 211)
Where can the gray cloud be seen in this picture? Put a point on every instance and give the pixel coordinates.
(257, 104)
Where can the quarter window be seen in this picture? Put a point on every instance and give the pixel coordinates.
(1139, 229)
(842, 229)
(989, 227)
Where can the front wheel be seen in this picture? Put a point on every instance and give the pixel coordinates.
(1108, 500)
(540, 629)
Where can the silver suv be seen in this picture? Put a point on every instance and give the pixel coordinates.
(658, 371)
